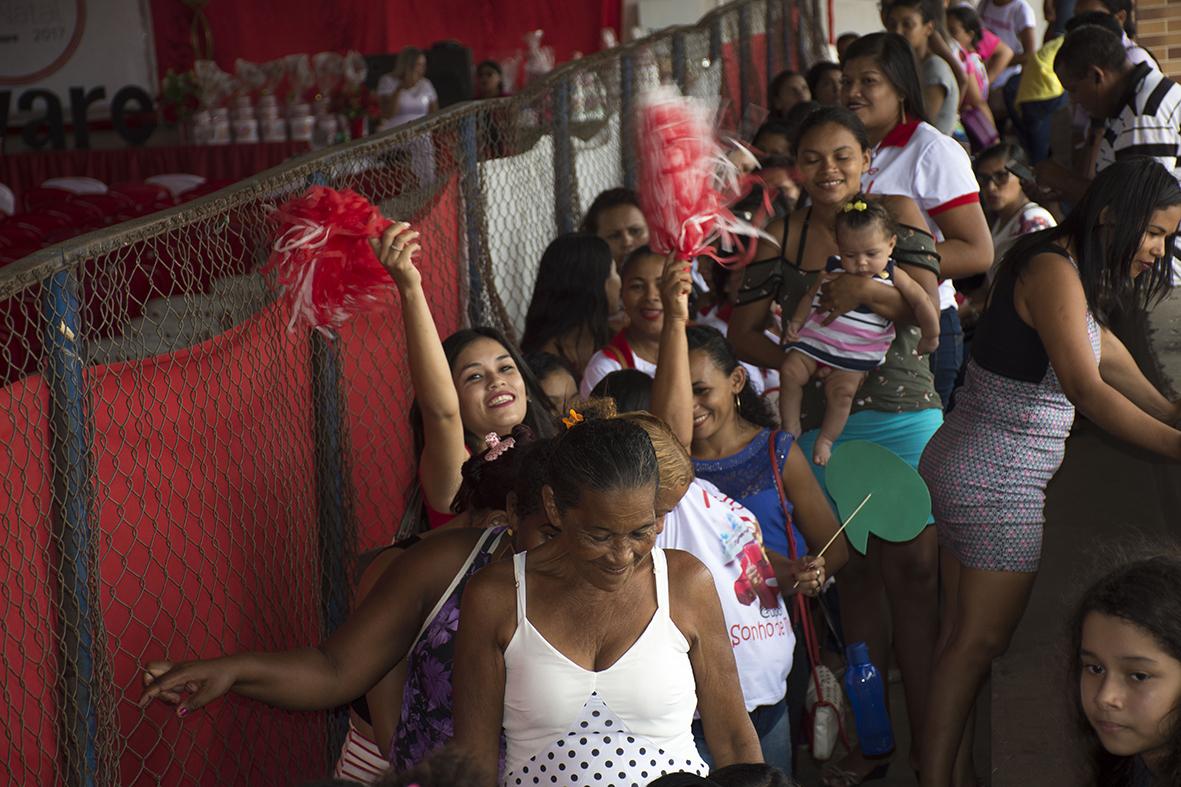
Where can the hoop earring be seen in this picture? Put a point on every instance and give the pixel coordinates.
(737, 405)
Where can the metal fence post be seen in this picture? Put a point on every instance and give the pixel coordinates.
(769, 39)
(744, 64)
(563, 158)
(789, 9)
(679, 61)
(716, 60)
(627, 120)
(473, 215)
(71, 433)
(333, 494)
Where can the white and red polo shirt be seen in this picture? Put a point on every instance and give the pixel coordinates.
(916, 161)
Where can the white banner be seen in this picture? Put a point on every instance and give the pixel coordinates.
(56, 45)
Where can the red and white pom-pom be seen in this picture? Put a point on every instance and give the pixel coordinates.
(686, 181)
(326, 268)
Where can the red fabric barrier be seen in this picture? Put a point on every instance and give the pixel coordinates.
(207, 540)
(730, 119)
(208, 522)
(29, 655)
(207, 526)
(489, 29)
(378, 386)
(23, 171)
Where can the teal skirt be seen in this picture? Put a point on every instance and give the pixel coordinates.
(906, 434)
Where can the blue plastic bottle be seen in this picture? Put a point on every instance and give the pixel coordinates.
(867, 694)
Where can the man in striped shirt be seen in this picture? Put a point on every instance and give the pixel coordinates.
(1139, 107)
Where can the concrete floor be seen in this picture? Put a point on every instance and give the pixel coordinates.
(1109, 503)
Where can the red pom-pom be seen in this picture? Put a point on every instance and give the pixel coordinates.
(685, 179)
(326, 268)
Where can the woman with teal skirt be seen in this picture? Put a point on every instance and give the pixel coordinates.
(896, 407)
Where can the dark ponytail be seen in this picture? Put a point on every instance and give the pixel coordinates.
(601, 455)
(752, 407)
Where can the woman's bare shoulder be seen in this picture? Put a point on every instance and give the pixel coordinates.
(685, 571)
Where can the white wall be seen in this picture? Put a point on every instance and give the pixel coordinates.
(861, 16)
(856, 16)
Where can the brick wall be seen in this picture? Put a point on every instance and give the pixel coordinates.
(1159, 31)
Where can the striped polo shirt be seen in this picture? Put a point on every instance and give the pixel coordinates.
(1148, 123)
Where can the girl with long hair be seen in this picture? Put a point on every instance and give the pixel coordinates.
(576, 292)
(1041, 349)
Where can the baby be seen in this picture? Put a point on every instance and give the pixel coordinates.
(855, 342)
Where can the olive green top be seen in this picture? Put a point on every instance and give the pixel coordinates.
(904, 382)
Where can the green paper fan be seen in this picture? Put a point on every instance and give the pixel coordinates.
(899, 505)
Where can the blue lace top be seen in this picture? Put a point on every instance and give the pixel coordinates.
(746, 477)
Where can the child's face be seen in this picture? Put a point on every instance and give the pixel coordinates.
(828, 88)
(908, 23)
(773, 144)
(488, 81)
(561, 389)
(865, 251)
(1129, 686)
(957, 31)
(792, 91)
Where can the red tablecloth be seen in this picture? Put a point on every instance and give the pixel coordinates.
(22, 171)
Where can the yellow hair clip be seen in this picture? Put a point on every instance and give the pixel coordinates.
(858, 206)
(573, 419)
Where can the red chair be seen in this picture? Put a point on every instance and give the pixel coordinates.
(14, 234)
(146, 197)
(113, 207)
(208, 187)
(39, 224)
(17, 251)
(84, 215)
(43, 197)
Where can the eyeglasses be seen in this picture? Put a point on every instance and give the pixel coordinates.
(998, 179)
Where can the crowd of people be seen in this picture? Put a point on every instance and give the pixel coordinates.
(616, 517)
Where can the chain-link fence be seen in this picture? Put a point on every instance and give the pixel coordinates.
(184, 476)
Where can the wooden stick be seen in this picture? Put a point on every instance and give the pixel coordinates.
(856, 511)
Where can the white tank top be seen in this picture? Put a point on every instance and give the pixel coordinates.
(622, 726)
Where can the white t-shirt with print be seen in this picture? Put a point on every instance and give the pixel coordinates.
(725, 536)
(916, 161)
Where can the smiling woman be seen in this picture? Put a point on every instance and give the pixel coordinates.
(637, 345)
(1041, 350)
(593, 651)
(472, 385)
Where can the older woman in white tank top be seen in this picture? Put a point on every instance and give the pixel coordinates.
(593, 651)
